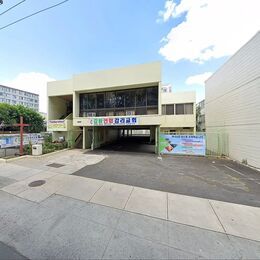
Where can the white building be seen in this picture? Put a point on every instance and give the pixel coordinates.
(233, 103)
(15, 96)
(93, 109)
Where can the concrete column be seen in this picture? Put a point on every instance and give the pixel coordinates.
(152, 133)
(84, 138)
(93, 139)
(157, 140)
(159, 98)
(75, 104)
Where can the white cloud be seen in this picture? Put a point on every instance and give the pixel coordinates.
(211, 28)
(165, 14)
(33, 82)
(198, 79)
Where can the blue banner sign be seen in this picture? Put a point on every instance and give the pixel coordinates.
(183, 144)
(13, 140)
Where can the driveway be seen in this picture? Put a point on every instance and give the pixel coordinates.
(210, 178)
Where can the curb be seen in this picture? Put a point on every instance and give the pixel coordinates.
(31, 156)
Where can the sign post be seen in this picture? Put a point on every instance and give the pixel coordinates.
(21, 125)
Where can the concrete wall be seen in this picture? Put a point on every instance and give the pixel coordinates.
(60, 88)
(118, 77)
(232, 103)
(104, 135)
(179, 97)
(131, 76)
(173, 121)
(56, 108)
(179, 121)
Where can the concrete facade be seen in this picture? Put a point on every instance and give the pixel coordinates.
(15, 96)
(232, 103)
(67, 111)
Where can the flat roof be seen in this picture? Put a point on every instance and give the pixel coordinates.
(19, 90)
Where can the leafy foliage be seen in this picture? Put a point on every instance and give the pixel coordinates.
(51, 147)
(10, 114)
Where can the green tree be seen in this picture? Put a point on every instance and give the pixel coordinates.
(10, 114)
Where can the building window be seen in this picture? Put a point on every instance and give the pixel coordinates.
(140, 98)
(140, 111)
(139, 101)
(152, 111)
(179, 109)
(188, 109)
(120, 99)
(184, 109)
(152, 96)
(91, 101)
(100, 101)
(110, 99)
(130, 99)
(168, 109)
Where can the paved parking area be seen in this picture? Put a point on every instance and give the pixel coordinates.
(210, 178)
(74, 217)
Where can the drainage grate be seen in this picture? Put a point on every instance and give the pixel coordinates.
(36, 183)
(55, 165)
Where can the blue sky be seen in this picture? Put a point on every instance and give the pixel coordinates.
(88, 35)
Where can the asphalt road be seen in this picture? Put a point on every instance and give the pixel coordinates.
(210, 178)
(9, 253)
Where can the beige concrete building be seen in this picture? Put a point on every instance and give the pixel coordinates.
(96, 108)
(233, 104)
(201, 126)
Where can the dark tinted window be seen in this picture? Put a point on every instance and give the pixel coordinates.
(120, 99)
(140, 111)
(141, 97)
(110, 99)
(152, 96)
(100, 101)
(91, 103)
(130, 99)
(179, 109)
(124, 102)
(170, 109)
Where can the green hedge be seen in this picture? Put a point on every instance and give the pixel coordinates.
(47, 147)
(51, 147)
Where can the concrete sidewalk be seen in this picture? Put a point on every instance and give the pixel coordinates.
(77, 217)
(229, 218)
(64, 228)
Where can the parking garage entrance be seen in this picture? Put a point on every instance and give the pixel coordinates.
(142, 139)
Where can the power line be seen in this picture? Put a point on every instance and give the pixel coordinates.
(12, 7)
(28, 16)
